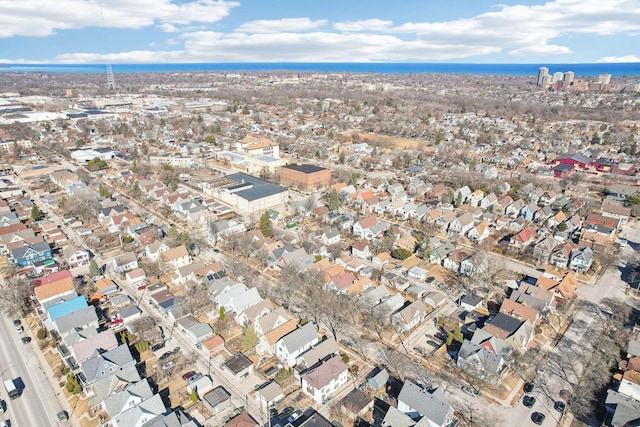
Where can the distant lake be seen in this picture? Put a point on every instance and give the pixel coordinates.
(615, 69)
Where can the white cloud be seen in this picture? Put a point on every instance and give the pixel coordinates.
(543, 49)
(281, 25)
(626, 58)
(519, 30)
(38, 18)
(364, 25)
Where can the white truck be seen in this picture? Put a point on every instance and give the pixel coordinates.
(11, 388)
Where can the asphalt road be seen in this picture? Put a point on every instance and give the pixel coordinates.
(37, 405)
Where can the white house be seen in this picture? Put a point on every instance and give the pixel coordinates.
(154, 249)
(75, 256)
(292, 345)
(417, 402)
(322, 381)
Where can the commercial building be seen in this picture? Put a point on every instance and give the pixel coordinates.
(246, 194)
(305, 177)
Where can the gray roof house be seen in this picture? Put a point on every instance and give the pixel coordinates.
(289, 347)
(87, 348)
(379, 379)
(479, 359)
(84, 318)
(106, 364)
(622, 410)
(418, 402)
(139, 414)
(131, 395)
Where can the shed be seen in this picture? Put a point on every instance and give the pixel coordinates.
(217, 400)
(239, 365)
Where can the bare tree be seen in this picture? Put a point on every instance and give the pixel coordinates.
(85, 204)
(15, 298)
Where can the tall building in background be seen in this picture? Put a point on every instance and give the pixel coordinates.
(557, 76)
(569, 76)
(544, 71)
(604, 78)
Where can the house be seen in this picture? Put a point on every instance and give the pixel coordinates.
(129, 396)
(330, 236)
(563, 288)
(460, 195)
(561, 254)
(113, 365)
(59, 289)
(601, 220)
(269, 393)
(321, 351)
(520, 311)
(360, 249)
(378, 378)
(488, 201)
(175, 258)
(154, 249)
(356, 403)
(289, 347)
(473, 264)
(85, 349)
(418, 402)
(516, 332)
(478, 233)
(438, 255)
(616, 210)
(28, 255)
(323, 380)
(581, 259)
(479, 359)
(135, 276)
(622, 410)
(140, 413)
(80, 319)
(461, 225)
(522, 239)
(470, 302)
(75, 256)
(125, 262)
(534, 297)
(455, 258)
(368, 228)
(410, 316)
(242, 420)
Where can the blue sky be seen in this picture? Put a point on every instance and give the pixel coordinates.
(480, 31)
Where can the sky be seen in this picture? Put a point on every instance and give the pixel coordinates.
(180, 31)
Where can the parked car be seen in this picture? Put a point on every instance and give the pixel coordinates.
(26, 340)
(528, 401)
(194, 378)
(537, 418)
(470, 391)
(2, 407)
(294, 416)
(168, 365)
(142, 287)
(165, 356)
(16, 322)
(63, 415)
(273, 412)
(528, 387)
(559, 406)
(175, 351)
(287, 411)
(19, 329)
(157, 347)
(5, 423)
(187, 375)
(441, 336)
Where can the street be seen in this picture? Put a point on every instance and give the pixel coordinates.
(37, 404)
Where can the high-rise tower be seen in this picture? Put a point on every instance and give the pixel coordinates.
(111, 79)
(544, 71)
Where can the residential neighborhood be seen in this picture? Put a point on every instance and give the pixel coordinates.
(193, 258)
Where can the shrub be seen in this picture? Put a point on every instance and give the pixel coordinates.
(41, 334)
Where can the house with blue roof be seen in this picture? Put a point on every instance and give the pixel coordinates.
(66, 307)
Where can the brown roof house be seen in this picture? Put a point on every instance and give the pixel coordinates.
(323, 380)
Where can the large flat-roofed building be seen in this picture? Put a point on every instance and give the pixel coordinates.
(247, 194)
(305, 177)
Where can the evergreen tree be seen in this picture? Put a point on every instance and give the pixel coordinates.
(334, 200)
(249, 338)
(353, 179)
(265, 225)
(36, 213)
(94, 269)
